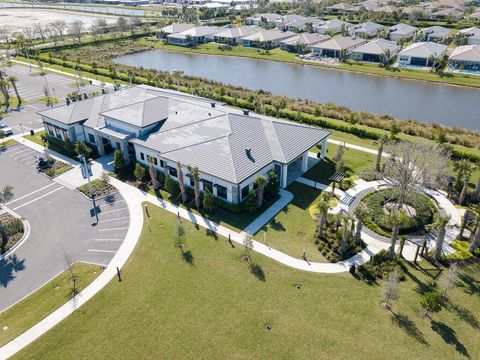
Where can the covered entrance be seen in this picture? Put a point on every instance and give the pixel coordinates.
(113, 139)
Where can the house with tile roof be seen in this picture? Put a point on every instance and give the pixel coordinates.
(465, 57)
(375, 51)
(435, 33)
(302, 43)
(232, 36)
(401, 31)
(194, 36)
(366, 29)
(472, 34)
(337, 47)
(230, 147)
(421, 54)
(266, 38)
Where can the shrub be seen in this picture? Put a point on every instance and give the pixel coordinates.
(14, 226)
(250, 204)
(209, 203)
(171, 186)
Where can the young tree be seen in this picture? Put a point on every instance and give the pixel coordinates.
(338, 159)
(83, 149)
(273, 184)
(260, 181)
(440, 225)
(476, 238)
(13, 80)
(323, 205)
(73, 276)
(181, 182)
(396, 219)
(194, 173)
(118, 160)
(449, 280)
(361, 213)
(247, 246)
(383, 141)
(208, 202)
(59, 27)
(171, 186)
(431, 302)
(76, 29)
(390, 289)
(251, 203)
(153, 175)
(179, 234)
(139, 172)
(345, 232)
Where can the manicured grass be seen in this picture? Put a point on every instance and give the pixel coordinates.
(36, 138)
(216, 308)
(292, 230)
(6, 143)
(355, 161)
(44, 301)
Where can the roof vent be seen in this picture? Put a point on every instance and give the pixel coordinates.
(67, 100)
(212, 104)
(246, 112)
(248, 152)
(209, 114)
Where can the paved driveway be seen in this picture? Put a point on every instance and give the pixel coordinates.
(61, 225)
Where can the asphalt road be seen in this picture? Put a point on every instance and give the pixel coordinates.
(31, 88)
(61, 223)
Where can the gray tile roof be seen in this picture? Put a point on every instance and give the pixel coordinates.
(339, 43)
(424, 50)
(437, 32)
(466, 53)
(402, 29)
(377, 47)
(305, 39)
(234, 33)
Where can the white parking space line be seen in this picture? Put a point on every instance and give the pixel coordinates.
(23, 156)
(30, 162)
(38, 198)
(111, 211)
(112, 204)
(105, 251)
(18, 151)
(120, 218)
(100, 240)
(33, 192)
(122, 228)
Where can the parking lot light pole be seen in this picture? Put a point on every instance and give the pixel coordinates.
(84, 160)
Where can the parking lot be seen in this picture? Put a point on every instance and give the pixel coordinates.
(31, 87)
(62, 225)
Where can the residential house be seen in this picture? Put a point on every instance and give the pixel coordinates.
(446, 14)
(263, 19)
(332, 27)
(267, 39)
(232, 36)
(465, 57)
(173, 29)
(472, 35)
(342, 8)
(387, 9)
(366, 29)
(164, 128)
(375, 51)
(337, 47)
(281, 23)
(436, 34)
(304, 24)
(421, 54)
(401, 31)
(302, 43)
(194, 36)
(474, 17)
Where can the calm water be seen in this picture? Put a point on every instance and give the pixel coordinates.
(402, 99)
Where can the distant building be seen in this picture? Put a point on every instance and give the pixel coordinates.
(472, 34)
(232, 36)
(465, 57)
(366, 29)
(375, 51)
(194, 36)
(173, 29)
(302, 43)
(435, 33)
(337, 47)
(332, 26)
(421, 54)
(401, 31)
(267, 39)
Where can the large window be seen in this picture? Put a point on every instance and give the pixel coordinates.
(222, 192)
(91, 138)
(245, 192)
(142, 156)
(172, 172)
(208, 185)
(162, 164)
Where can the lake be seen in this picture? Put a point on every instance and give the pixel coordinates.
(403, 99)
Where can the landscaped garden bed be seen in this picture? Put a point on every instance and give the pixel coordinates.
(419, 212)
(99, 187)
(13, 230)
(51, 167)
(380, 266)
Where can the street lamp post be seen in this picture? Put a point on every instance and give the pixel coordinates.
(84, 160)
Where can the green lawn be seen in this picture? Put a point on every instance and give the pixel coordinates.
(215, 308)
(44, 301)
(292, 230)
(36, 138)
(6, 143)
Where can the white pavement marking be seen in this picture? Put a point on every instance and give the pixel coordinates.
(114, 229)
(18, 151)
(33, 192)
(105, 251)
(111, 211)
(40, 197)
(23, 156)
(100, 240)
(112, 204)
(120, 218)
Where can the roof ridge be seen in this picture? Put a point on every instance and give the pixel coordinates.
(230, 150)
(191, 123)
(276, 138)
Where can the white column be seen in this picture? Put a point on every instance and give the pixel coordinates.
(284, 175)
(305, 161)
(324, 148)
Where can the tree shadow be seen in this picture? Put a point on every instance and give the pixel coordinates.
(276, 225)
(257, 271)
(188, 257)
(212, 234)
(110, 200)
(8, 268)
(422, 287)
(448, 335)
(472, 287)
(409, 327)
(464, 314)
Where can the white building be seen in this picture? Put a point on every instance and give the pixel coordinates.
(401, 31)
(421, 54)
(165, 128)
(465, 57)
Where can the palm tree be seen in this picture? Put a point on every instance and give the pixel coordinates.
(181, 183)
(260, 181)
(440, 224)
(4, 86)
(361, 213)
(196, 184)
(345, 230)
(153, 175)
(6, 194)
(13, 80)
(476, 239)
(323, 205)
(383, 141)
(396, 219)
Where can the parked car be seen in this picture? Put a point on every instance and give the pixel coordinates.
(6, 130)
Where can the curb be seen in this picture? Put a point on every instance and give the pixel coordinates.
(26, 234)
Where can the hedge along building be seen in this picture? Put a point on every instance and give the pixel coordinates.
(151, 125)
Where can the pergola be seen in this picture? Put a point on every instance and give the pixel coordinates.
(337, 178)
